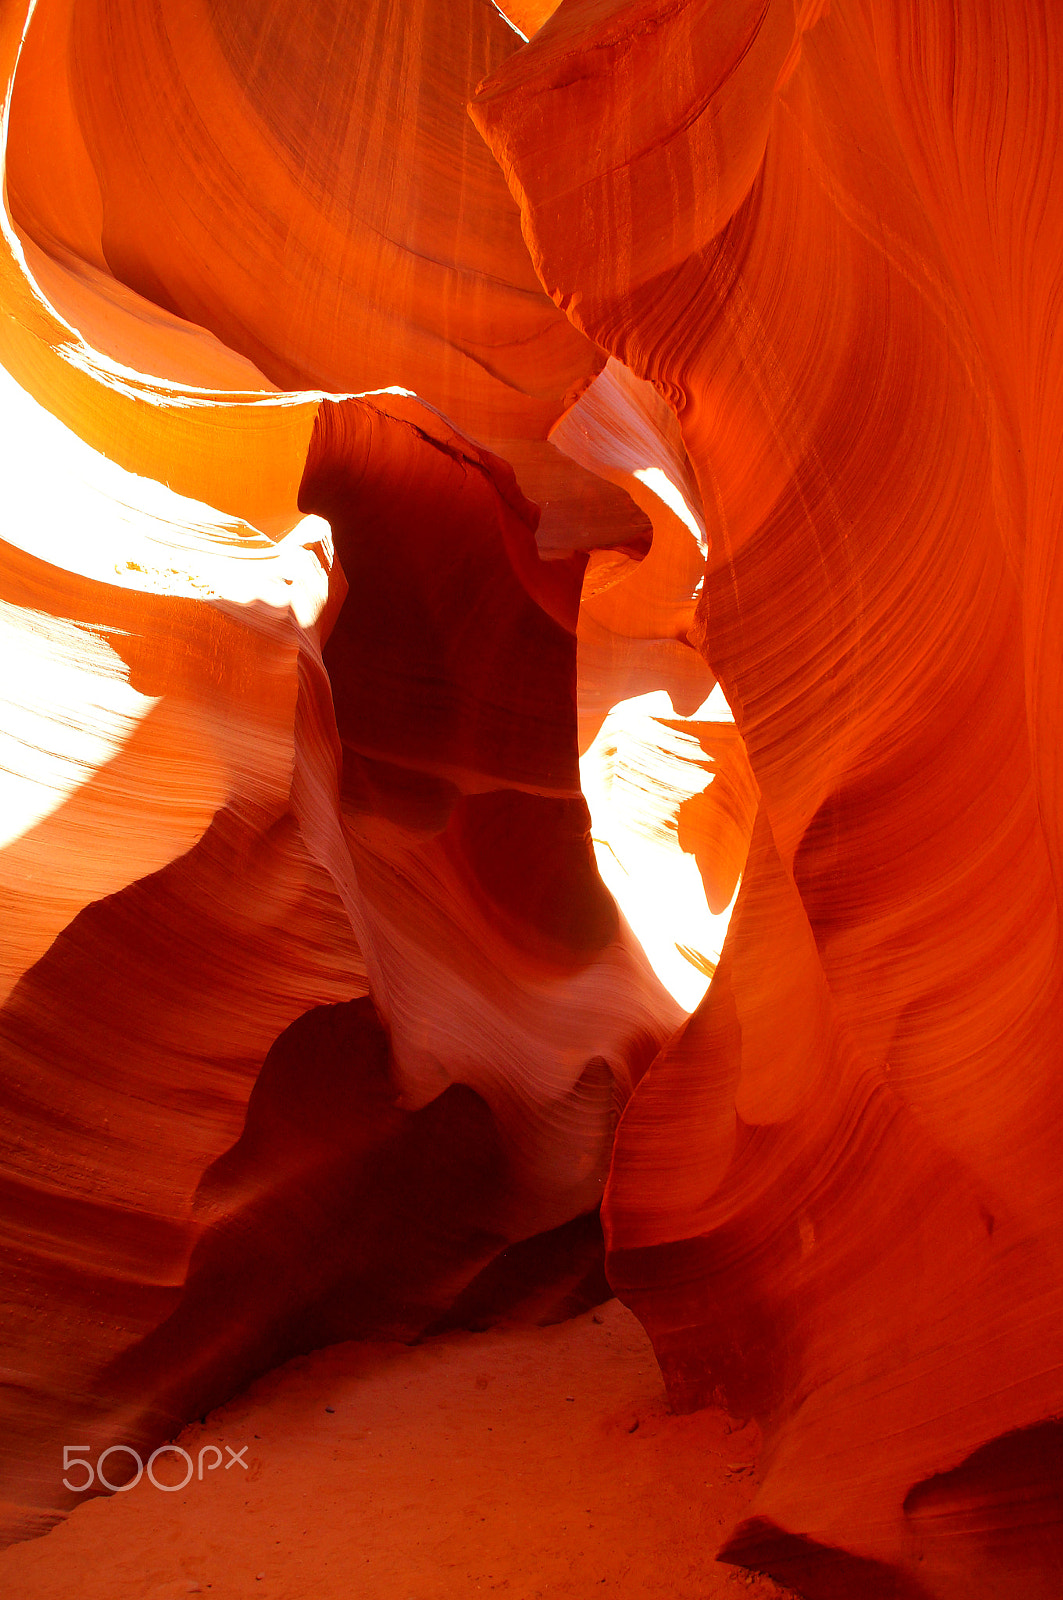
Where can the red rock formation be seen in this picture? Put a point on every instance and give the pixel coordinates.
(335, 541)
(834, 245)
(217, 840)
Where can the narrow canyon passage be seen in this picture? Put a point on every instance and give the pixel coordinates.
(531, 622)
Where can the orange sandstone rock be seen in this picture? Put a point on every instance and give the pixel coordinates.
(366, 480)
(217, 843)
(835, 1198)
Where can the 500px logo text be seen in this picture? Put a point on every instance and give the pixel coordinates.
(77, 1455)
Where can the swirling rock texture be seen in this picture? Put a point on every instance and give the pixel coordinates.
(260, 769)
(835, 1199)
(687, 416)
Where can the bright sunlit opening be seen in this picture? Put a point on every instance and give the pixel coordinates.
(663, 487)
(636, 777)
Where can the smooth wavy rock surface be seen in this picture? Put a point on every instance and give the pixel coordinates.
(834, 245)
(258, 769)
(487, 495)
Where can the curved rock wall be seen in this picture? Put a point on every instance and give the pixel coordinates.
(257, 766)
(688, 416)
(835, 1197)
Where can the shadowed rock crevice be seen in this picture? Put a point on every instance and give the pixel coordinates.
(661, 521)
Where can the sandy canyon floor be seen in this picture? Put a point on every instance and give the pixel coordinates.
(527, 1462)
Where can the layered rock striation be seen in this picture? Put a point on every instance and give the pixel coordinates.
(452, 563)
(835, 1197)
(314, 1001)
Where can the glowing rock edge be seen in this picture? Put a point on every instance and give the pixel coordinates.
(507, 520)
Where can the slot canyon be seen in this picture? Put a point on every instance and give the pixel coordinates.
(531, 792)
